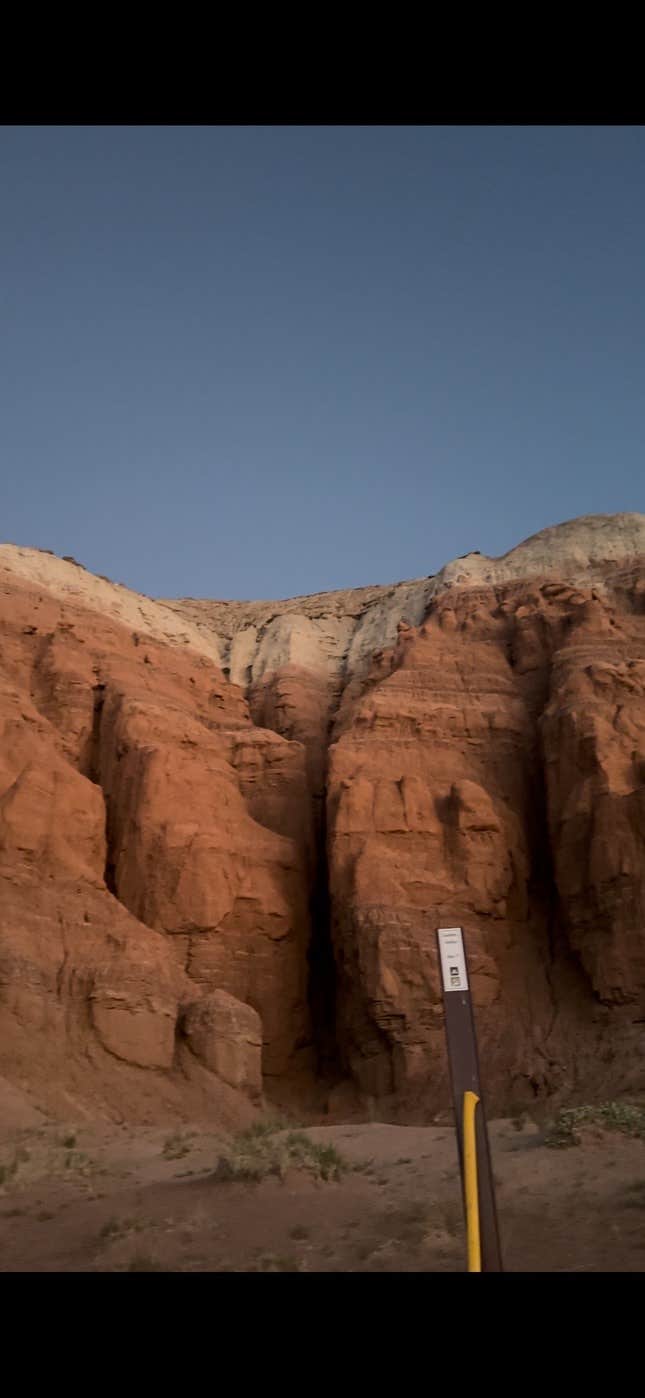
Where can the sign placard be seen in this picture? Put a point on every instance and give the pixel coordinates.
(453, 958)
(464, 1075)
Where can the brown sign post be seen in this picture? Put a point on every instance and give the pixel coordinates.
(464, 1073)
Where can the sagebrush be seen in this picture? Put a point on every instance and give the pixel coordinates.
(627, 1117)
(267, 1149)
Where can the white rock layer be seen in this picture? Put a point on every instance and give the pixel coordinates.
(331, 633)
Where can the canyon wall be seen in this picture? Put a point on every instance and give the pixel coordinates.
(229, 830)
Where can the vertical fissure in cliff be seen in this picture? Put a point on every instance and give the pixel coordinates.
(322, 963)
(543, 884)
(321, 959)
(93, 771)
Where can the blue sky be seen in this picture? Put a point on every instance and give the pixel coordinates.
(262, 361)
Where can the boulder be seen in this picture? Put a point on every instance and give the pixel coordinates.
(226, 1036)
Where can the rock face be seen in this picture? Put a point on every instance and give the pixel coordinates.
(153, 842)
(227, 1037)
(490, 774)
(228, 831)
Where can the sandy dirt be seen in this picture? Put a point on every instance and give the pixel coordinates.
(81, 1198)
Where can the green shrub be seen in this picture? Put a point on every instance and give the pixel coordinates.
(178, 1145)
(266, 1149)
(611, 1116)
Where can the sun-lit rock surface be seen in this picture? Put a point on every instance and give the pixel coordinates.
(278, 802)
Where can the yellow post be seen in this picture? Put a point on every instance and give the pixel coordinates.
(471, 1190)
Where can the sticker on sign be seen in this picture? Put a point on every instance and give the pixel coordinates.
(453, 958)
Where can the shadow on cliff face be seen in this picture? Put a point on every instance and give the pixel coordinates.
(322, 965)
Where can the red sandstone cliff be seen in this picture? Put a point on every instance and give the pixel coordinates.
(229, 830)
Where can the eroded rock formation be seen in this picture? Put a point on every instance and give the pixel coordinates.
(228, 831)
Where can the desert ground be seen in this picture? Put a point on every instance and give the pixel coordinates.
(367, 1197)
